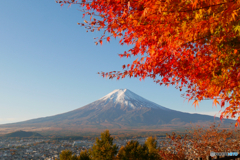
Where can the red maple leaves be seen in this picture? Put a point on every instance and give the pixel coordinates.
(191, 44)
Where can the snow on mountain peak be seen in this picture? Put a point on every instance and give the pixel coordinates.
(117, 95)
(130, 99)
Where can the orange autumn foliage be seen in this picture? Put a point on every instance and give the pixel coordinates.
(192, 44)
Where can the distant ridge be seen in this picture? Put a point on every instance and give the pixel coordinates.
(120, 110)
(22, 134)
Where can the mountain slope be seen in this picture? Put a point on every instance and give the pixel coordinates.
(118, 109)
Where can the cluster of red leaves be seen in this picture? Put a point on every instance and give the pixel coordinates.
(191, 44)
(171, 156)
(199, 142)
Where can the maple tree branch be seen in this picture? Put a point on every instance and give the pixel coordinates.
(202, 99)
(197, 39)
(198, 8)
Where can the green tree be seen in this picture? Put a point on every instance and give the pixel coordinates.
(151, 145)
(103, 149)
(67, 155)
(74, 157)
(84, 155)
(133, 150)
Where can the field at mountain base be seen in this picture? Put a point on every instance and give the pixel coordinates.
(22, 134)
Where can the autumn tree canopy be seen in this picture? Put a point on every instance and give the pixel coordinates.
(192, 44)
(200, 142)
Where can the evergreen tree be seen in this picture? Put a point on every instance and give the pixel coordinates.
(66, 155)
(133, 150)
(103, 149)
(74, 157)
(84, 155)
(151, 145)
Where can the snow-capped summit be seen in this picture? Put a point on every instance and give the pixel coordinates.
(129, 99)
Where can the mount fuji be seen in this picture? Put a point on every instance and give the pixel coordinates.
(120, 109)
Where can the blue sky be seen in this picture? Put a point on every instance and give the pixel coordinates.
(49, 64)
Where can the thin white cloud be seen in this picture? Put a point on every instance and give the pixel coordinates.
(212, 113)
(9, 120)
